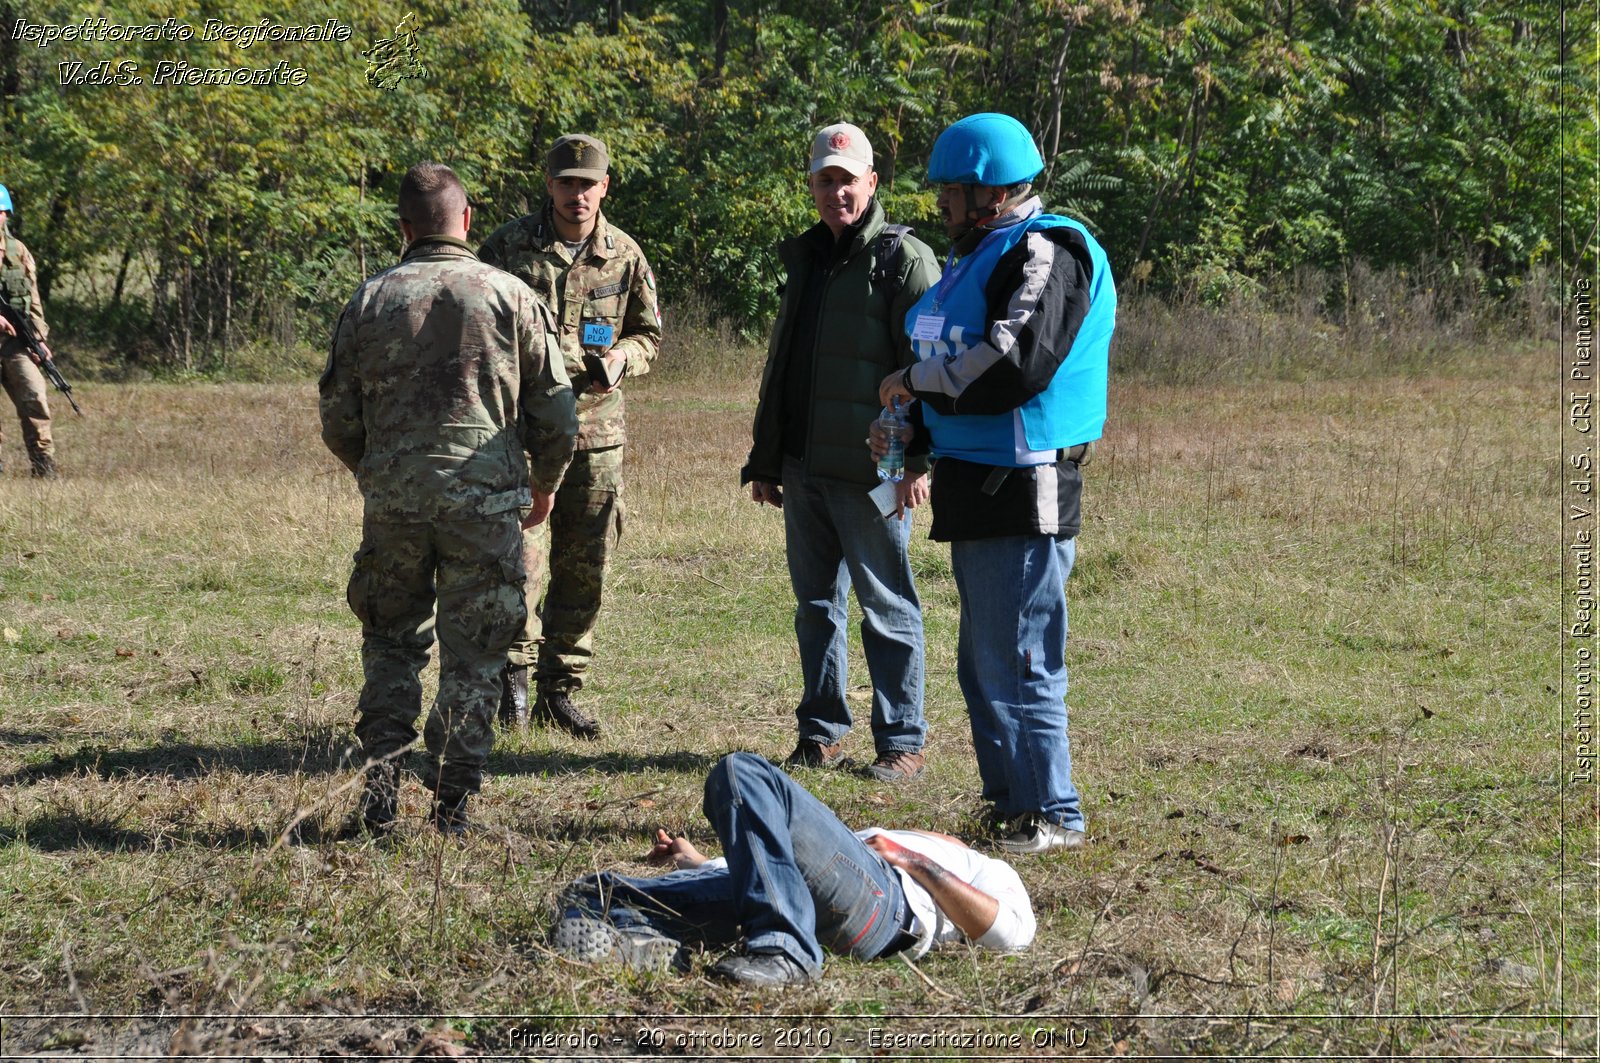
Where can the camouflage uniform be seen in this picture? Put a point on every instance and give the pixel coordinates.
(19, 281)
(610, 283)
(443, 371)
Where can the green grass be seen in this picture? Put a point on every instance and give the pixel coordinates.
(1313, 655)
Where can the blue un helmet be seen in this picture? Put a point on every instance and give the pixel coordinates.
(5, 199)
(985, 149)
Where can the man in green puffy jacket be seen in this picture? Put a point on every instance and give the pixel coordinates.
(851, 279)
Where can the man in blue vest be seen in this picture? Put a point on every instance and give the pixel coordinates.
(1012, 348)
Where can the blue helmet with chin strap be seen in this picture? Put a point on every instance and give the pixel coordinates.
(5, 199)
(985, 149)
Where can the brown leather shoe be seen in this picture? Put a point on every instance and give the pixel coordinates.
(897, 765)
(811, 754)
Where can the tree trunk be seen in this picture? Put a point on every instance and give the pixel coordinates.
(1052, 129)
(10, 81)
(186, 314)
(719, 38)
(361, 243)
(122, 277)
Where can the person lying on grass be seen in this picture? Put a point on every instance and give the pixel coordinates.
(793, 880)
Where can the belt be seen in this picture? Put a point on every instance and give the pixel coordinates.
(906, 938)
(1078, 455)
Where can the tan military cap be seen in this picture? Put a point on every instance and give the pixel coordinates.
(576, 155)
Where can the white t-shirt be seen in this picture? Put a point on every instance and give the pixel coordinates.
(1014, 923)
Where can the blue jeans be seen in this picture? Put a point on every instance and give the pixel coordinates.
(833, 531)
(1011, 663)
(797, 879)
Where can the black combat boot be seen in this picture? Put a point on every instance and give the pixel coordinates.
(450, 812)
(44, 467)
(379, 799)
(555, 706)
(514, 697)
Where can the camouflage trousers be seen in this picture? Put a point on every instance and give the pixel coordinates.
(26, 386)
(474, 569)
(567, 557)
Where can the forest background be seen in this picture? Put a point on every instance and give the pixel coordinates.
(1340, 158)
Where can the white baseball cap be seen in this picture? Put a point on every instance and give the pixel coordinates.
(844, 146)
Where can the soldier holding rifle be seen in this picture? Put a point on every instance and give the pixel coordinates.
(23, 351)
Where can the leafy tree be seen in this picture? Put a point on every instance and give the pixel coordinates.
(1216, 146)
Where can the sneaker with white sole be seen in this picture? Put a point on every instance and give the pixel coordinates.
(1036, 834)
(594, 941)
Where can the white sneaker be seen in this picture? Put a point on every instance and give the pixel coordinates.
(1036, 834)
(594, 941)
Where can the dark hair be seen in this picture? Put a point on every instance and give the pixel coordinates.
(431, 197)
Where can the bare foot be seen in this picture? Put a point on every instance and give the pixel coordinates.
(677, 851)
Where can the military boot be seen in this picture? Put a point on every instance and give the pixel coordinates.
(449, 814)
(379, 798)
(44, 466)
(514, 697)
(555, 706)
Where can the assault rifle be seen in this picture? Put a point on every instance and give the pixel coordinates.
(19, 321)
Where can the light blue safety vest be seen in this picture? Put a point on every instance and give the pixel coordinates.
(1070, 411)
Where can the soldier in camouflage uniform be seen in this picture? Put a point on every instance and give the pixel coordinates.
(19, 371)
(596, 280)
(443, 372)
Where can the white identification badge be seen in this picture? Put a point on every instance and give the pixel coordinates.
(928, 327)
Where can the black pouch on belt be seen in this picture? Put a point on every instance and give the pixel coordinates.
(973, 501)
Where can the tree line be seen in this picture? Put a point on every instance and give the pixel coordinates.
(1216, 147)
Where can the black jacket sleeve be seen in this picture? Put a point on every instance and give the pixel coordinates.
(1037, 298)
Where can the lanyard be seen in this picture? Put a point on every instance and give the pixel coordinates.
(954, 271)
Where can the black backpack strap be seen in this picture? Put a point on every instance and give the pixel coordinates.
(886, 259)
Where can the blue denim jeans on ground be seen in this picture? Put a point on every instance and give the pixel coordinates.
(1011, 663)
(797, 881)
(836, 538)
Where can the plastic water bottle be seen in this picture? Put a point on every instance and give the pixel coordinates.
(892, 466)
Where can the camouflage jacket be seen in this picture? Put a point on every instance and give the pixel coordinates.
(443, 372)
(611, 284)
(19, 282)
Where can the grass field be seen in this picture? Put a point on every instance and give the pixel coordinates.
(1314, 662)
